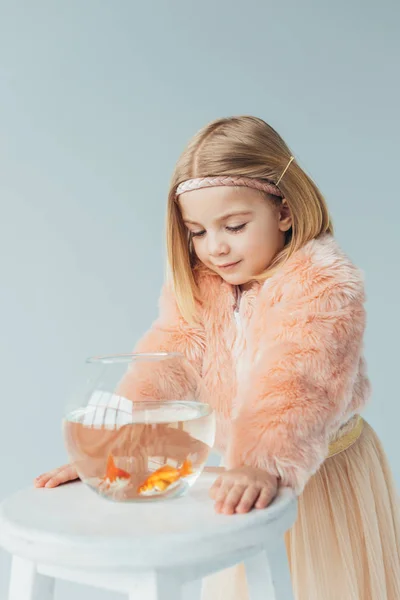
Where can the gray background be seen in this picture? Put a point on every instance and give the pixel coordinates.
(97, 100)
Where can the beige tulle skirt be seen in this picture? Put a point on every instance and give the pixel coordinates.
(345, 544)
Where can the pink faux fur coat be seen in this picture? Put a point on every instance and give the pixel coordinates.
(303, 373)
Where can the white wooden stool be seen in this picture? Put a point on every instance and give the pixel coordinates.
(146, 550)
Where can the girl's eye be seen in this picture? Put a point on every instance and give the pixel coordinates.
(237, 227)
(232, 229)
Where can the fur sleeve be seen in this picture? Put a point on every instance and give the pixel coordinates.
(301, 381)
(169, 333)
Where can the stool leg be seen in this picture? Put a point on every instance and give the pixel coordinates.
(268, 574)
(156, 586)
(27, 584)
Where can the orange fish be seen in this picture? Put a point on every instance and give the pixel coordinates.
(114, 475)
(164, 477)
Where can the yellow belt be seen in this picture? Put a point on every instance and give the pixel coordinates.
(348, 438)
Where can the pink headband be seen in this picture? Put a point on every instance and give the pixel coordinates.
(202, 182)
(232, 180)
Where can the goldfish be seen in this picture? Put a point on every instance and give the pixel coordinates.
(114, 476)
(164, 477)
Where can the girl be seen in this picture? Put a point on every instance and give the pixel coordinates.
(270, 311)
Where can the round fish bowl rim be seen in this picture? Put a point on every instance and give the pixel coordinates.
(133, 356)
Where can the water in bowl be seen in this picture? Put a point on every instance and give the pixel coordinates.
(142, 451)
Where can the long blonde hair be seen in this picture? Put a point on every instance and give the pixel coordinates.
(247, 146)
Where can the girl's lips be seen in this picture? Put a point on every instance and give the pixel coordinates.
(229, 265)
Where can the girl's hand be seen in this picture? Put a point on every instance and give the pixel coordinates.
(56, 477)
(239, 490)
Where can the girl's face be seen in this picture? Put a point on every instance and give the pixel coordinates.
(236, 231)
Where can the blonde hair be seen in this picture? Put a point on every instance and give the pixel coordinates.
(246, 146)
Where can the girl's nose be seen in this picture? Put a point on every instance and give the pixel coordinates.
(217, 246)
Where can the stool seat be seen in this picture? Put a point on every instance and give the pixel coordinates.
(72, 532)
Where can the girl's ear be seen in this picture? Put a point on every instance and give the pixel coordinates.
(285, 218)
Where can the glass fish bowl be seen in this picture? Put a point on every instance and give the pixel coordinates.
(139, 428)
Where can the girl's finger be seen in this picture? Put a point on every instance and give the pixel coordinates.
(248, 499)
(223, 490)
(41, 480)
(215, 488)
(265, 498)
(57, 480)
(221, 495)
(233, 498)
(63, 476)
